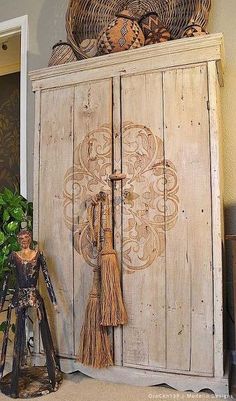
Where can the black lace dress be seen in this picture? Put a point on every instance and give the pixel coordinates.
(27, 295)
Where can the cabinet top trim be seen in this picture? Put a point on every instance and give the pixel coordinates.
(173, 53)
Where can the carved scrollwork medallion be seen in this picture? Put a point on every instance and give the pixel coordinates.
(150, 197)
(88, 176)
(150, 201)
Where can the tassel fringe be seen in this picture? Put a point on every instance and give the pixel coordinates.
(95, 349)
(112, 306)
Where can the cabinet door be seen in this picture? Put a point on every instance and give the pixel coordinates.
(56, 156)
(92, 167)
(189, 278)
(167, 251)
(144, 281)
(75, 162)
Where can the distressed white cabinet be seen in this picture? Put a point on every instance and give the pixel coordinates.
(154, 114)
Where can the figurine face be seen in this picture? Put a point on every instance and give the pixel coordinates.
(24, 241)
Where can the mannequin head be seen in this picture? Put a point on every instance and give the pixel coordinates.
(24, 238)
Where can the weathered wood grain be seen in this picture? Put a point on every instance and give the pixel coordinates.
(117, 202)
(217, 212)
(92, 165)
(189, 244)
(152, 98)
(143, 240)
(56, 155)
(159, 56)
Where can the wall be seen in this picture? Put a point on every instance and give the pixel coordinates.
(222, 19)
(46, 27)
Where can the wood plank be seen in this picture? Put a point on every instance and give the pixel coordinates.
(117, 205)
(92, 167)
(56, 156)
(143, 221)
(37, 133)
(188, 245)
(217, 213)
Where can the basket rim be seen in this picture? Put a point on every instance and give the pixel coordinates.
(62, 43)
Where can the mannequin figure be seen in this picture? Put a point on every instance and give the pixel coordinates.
(26, 265)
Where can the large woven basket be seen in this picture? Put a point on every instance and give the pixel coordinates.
(86, 18)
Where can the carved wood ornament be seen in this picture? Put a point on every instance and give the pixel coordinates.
(148, 213)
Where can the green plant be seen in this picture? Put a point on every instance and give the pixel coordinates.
(14, 212)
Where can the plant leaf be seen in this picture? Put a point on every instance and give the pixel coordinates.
(12, 227)
(2, 237)
(17, 213)
(6, 215)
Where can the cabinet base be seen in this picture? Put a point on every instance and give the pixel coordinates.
(138, 377)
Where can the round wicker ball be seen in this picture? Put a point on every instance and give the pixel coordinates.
(62, 53)
(153, 29)
(193, 30)
(89, 47)
(122, 33)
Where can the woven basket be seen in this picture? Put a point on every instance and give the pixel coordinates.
(86, 18)
(62, 53)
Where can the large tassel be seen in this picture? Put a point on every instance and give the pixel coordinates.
(95, 348)
(112, 306)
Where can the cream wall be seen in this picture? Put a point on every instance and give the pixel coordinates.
(46, 27)
(223, 19)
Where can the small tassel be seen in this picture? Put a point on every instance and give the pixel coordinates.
(112, 306)
(95, 348)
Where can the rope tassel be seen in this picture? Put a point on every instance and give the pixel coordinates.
(95, 348)
(113, 312)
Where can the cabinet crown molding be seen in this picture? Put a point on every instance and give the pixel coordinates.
(170, 54)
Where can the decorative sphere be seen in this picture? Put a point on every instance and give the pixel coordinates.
(193, 29)
(153, 29)
(123, 33)
(89, 47)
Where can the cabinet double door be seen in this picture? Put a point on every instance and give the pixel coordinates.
(154, 128)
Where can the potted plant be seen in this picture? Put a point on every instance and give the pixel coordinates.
(15, 213)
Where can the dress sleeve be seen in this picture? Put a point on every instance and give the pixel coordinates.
(47, 279)
(3, 292)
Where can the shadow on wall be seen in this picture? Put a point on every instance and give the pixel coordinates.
(230, 219)
(46, 27)
(230, 229)
(49, 30)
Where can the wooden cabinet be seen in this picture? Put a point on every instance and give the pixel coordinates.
(154, 114)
